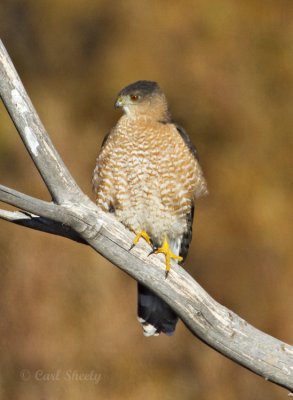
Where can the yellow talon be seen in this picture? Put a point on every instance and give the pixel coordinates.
(165, 249)
(144, 235)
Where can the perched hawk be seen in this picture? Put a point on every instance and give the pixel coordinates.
(148, 175)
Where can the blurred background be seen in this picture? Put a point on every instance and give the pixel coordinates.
(227, 70)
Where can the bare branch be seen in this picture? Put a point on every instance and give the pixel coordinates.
(213, 323)
(35, 222)
(59, 182)
(208, 320)
(58, 213)
(27, 203)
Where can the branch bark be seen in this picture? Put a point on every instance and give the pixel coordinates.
(38, 223)
(73, 215)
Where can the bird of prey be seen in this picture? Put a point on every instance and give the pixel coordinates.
(148, 175)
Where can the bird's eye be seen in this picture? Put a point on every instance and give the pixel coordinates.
(134, 97)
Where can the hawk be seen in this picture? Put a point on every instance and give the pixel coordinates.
(148, 175)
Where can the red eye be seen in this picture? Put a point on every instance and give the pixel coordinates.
(134, 97)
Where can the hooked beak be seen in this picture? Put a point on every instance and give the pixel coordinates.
(119, 102)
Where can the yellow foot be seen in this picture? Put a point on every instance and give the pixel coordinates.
(141, 234)
(165, 249)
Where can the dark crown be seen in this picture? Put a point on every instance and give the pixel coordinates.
(144, 88)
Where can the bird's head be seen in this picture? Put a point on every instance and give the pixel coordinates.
(143, 98)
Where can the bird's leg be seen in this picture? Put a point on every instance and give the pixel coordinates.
(141, 234)
(165, 249)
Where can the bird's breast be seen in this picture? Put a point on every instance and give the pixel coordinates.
(152, 175)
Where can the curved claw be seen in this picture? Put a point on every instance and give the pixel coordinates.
(165, 249)
(141, 234)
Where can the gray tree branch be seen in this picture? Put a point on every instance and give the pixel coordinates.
(73, 215)
(33, 134)
(38, 223)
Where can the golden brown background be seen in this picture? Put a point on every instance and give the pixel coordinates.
(227, 69)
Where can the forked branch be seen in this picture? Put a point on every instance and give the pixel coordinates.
(71, 214)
